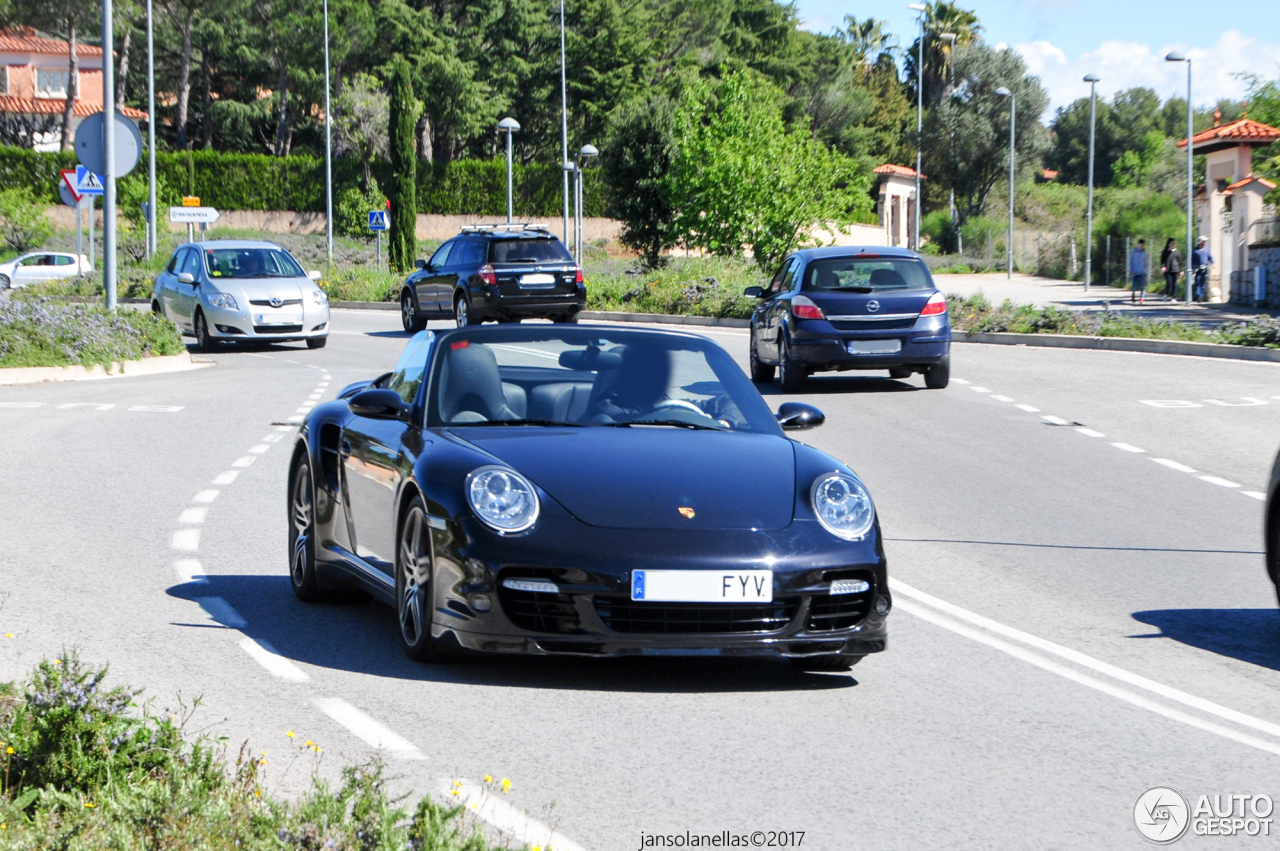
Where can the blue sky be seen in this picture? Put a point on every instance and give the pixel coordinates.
(1122, 41)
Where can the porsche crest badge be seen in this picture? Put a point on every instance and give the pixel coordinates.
(686, 512)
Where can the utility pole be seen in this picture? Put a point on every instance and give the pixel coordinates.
(109, 155)
(328, 152)
(564, 127)
(151, 136)
(919, 7)
(1092, 80)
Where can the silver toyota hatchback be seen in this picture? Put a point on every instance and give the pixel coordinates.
(237, 290)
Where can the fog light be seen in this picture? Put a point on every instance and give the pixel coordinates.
(849, 586)
(882, 605)
(481, 602)
(537, 586)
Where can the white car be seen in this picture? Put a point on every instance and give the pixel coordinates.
(35, 267)
(240, 291)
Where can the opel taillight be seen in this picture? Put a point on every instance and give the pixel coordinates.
(935, 305)
(486, 274)
(804, 308)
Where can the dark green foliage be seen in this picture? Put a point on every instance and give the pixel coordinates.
(635, 162)
(404, 160)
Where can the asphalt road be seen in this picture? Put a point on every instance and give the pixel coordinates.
(1081, 609)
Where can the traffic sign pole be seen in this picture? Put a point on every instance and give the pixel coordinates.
(109, 155)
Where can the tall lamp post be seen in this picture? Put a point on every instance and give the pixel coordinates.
(1177, 56)
(151, 136)
(1092, 80)
(584, 154)
(1013, 117)
(109, 157)
(328, 151)
(564, 126)
(921, 8)
(508, 126)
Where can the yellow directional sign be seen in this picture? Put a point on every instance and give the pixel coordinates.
(190, 200)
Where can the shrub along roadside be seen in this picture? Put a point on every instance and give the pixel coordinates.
(41, 333)
(693, 286)
(87, 767)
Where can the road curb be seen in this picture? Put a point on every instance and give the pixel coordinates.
(124, 369)
(664, 318)
(1121, 344)
(365, 305)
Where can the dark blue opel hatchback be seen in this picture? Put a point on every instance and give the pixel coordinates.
(850, 308)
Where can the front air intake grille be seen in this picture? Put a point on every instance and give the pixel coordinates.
(840, 611)
(276, 329)
(267, 303)
(535, 611)
(631, 616)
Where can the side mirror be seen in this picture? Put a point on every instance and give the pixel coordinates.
(797, 415)
(754, 292)
(314, 275)
(186, 278)
(378, 404)
(420, 264)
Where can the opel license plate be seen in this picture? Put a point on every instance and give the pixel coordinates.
(702, 586)
(873, 347)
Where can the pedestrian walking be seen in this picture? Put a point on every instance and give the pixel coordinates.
(1138, 272)
(1201, 263)
(1171, 267)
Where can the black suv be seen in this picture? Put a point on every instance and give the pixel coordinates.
(495, 272)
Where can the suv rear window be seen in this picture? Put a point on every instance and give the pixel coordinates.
(528, 251)
(866, 274)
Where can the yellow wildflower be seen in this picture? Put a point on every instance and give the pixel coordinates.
(9, 749)
(289, 733)
(89, 805)
(454, 792)
(57, 661)
(506, 785)
(488, 778)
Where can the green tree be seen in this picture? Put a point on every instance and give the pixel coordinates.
(23, 225)
(403, 111)
(743, 179)
(636, 161)
(360, 122)
(940, 16)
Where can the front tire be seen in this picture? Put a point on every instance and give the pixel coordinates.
(5, 283)
(790, 375)
(409, 318)
(461, 311)
(302, 537)
(414, 586)
(204, 340)
(839, 662)
(938, 376)
(317, 342)
(761, 373)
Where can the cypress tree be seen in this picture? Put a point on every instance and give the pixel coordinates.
(402, 249)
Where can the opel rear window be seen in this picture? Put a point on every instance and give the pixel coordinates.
(866, 274)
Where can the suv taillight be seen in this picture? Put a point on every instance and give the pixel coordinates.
(578, 276)
(486, 274)
(937, 304)
(804, 308)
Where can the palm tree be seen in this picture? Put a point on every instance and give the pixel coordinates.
(869, 39)
(940, 16)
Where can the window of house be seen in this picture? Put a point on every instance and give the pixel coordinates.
(50, 83)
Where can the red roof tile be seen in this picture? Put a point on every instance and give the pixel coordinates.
(54, 106)
(1245, 131)
(899, 170)
(25, 40)
(1250, 179)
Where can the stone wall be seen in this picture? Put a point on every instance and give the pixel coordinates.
(1268, 256)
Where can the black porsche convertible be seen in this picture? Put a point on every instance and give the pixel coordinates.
(584, 490)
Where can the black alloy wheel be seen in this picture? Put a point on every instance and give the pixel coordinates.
(414, 587)
(938, 376)
(840, 662)
(461, 311)
(790, 376)
(409, 314)
(302, 536)
(761, 373)
(204, 340)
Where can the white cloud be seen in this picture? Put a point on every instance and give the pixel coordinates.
(1125, 64)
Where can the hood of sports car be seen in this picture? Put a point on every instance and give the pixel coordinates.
(653, 478)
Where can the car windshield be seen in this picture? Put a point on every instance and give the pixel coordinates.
(528, 251)
(591, 378)
(866, 274)
(251, 263)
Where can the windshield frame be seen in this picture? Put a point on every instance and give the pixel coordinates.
(208, 254)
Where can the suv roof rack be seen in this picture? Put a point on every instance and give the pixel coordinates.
(514, 226)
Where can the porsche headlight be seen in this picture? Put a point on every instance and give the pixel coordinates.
(842, 505)
(502, 498)
(224, 300)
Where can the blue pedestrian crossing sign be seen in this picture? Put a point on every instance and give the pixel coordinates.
(379, 220)
(87, 183)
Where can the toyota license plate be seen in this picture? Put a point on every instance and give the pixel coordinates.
(537, 281)
(275, 319)
(702, 586)
(873, 347)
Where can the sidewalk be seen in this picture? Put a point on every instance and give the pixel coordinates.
(1043, 292)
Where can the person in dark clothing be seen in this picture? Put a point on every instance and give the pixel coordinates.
(1201, 264)
(1171, 267)
(637, 386)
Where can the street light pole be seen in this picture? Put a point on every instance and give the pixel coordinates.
(1177, 56)
(328, 151)
(919, 7)
(1013, 117)
(950, 39)
(151, 136)
(1092, 80)
(584, 154)
(564, 125)
(109, 156)
(508, 126)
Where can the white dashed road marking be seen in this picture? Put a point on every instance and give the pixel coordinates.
(1214, 480)
(1127, 447)
(1028, 408)
(373, 733)
(266, 656)
(1088, 432)
(259, 449)
(93, 405)
(1174, 465)
(1254, 494)
(222, 612)
(1002, 398)
(979, 390)
(243, 461)
(1050, 418)
(187, 540)
(528, 832)
(189, 570)
(195, 514)
(206, 496)
(226, 478)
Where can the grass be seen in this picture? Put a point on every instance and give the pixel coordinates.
(36, 332)
(692, 286)
(87, 766)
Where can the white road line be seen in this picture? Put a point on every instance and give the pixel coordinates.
(189, 570)
(206, 496)
(1083, 679)
(528, 832)
(1214, 480)
(1249, 402)
(1028, 408)
(1127, 447)
(271, 437)
(959, 381)
(195, 514)
(222, 612)
(1088, 432)
(254, 355)
(187, 540)
(156, 409)
(1050, 418)
(301, 411)
(1002, 398)
(286, 427)
(244, 461)
(296, 418)
(1255, 495)
(93, 405)
(372, 733)
(278, 666)
(977, 389)
(21, 404)
(226, 478)
(259, 449)
(1083, 660)
(1174, 465)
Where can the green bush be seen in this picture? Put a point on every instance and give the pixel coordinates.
(40, 333)
(709, 286)
(362, 283)
(351, 213)
(22, 221)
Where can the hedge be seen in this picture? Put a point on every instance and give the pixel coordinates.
(261, 182)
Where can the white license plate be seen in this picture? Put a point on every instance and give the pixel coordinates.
(874, 347)
(702, 586)
(275, 319)
(538, 280)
